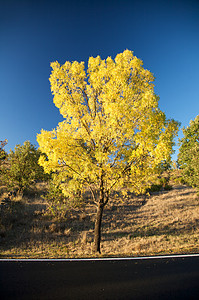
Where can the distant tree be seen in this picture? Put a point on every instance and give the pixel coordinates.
(3, 156)
(2, 151)
(22, 167)
(188, 158)
(113, 134)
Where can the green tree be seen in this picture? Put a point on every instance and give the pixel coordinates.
(3, 153)
(3, 156)
(188, 158)
(113, 134)
(22, 167)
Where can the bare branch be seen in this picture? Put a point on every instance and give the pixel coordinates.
(93, 195)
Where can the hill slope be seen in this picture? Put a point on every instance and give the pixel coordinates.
(163, 223)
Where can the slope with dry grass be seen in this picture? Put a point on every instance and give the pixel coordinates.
(163, 223)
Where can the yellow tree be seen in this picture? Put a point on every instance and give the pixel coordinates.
(113, 134)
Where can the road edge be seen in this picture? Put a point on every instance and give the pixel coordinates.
(98, 258)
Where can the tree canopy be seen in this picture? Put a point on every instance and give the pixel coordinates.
(22, 167)
(114, 133)
(188, 158)
(2, 151)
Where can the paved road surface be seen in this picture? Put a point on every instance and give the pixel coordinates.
(175, 278)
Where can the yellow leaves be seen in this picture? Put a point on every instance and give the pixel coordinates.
(124, 58)
(112, 122)
(55, 65)
(67, 84)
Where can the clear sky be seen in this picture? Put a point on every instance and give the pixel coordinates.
(163, 33)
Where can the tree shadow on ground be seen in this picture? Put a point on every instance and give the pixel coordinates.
(147, 231)
(127, 215)
(23, 222)
(122, 215)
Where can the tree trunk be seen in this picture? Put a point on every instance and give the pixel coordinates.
(103, 199)
(97, 232)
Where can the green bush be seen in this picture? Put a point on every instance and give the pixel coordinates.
(22, 169)
(59, 204)
(56, 201)
(160, 185)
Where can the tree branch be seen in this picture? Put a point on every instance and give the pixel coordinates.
(86, 97)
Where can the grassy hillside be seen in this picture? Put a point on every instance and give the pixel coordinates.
(165, 222)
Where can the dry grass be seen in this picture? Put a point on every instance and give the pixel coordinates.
(166, 222)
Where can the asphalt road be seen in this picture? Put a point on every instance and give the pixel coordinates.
(167, 278)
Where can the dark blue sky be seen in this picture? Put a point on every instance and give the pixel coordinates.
(164, 34)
